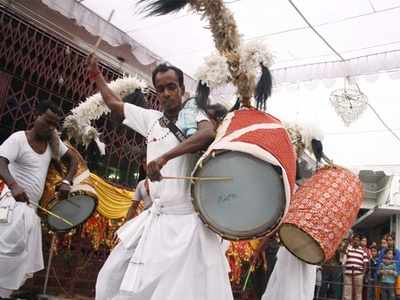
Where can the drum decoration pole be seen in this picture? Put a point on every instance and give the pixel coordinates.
(53, 242)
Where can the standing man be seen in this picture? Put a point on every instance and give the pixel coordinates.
(24, 160)
(165, 253)
(356, 261)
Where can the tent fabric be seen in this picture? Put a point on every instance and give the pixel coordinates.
(364, 32)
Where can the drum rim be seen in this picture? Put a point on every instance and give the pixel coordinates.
(95, 199)
(227, 236)
(314, 240)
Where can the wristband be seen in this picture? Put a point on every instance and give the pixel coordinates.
(93, 75)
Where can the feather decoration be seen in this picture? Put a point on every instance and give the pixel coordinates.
(263, 88)
(317, 149)
(202, 95)
(163, 7)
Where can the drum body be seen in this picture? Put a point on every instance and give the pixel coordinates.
(77, 208)
(321, 213)
(254, 149)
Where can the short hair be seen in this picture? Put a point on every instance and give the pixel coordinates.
(164, 67)
(373, 247)
(356, 236)
(46, 105)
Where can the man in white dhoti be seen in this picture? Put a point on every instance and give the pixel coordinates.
(291, 279)
(24, 160)
(165, 253)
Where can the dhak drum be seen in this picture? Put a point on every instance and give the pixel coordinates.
(321, 213)
(254, 149)
(77, 208)
(81, 202)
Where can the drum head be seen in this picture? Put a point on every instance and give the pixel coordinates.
(248, 206)
(301, 245)
(76, 209)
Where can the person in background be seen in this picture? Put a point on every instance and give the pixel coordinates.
(388, 274)
(142, 193)
(356, 260)
(371, 273)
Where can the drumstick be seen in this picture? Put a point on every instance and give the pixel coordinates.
(211, 178)
(102, 34)
(52, 214)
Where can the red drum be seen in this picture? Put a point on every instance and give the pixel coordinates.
(321, 213)
(253, 149)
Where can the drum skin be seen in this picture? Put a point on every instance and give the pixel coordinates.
(77, 208)
(250, 205)
(72, 210)
(321, 213)
(255, 150)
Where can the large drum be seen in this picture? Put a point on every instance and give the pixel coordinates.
(321, 213)
(77, 208)
(254, 149)
(81, 202)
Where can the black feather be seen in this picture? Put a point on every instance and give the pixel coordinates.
(317, 148)
(236, 106)
(263, 88)
(202, 95)
(163, 7)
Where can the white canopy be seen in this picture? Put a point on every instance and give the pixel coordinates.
(365, 33)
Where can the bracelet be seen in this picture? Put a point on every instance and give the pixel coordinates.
(66, 182)
(93, 75)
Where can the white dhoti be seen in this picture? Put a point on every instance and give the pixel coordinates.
(166, 253)
(20, 244)
(291, 279)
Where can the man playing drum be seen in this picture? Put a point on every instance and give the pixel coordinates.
(165, 252)
(24, 160)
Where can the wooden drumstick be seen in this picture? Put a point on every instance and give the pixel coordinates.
(52, 214)
(102, 34)
(211, 178)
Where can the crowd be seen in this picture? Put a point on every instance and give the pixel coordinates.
(361, 271)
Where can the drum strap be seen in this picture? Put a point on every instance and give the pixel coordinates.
(174, 129)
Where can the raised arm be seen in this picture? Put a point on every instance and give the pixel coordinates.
(113, 101)
(198, 141)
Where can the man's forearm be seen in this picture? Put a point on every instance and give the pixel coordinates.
(196, 142)
(5, 174)
(72, 165)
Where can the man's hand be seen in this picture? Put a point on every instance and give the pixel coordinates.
(92, 65)
(19, 194)
(154, 168)
(63, 190)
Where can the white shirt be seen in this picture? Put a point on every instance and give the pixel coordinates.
(28, 168)
(159, 141)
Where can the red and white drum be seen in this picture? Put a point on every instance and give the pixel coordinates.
(254, 149)
(321, 213)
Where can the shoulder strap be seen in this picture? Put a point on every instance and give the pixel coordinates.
(174, 129)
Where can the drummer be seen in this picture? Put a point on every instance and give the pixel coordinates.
(24, 160)
(166, 253)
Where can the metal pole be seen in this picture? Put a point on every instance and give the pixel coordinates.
(53, 241)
